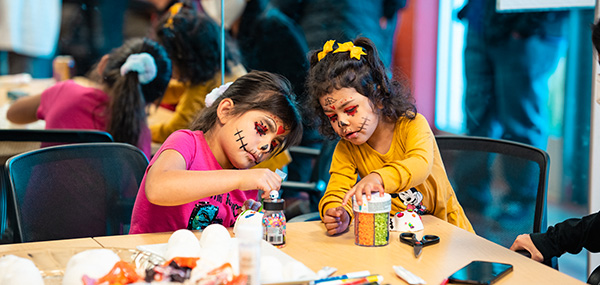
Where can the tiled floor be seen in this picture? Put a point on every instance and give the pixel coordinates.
(573, 265)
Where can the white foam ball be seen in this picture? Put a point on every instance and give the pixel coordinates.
(271, 269)
(94, 263)
(248, 217)
(182, 243)
(215, 235)
(17, 270)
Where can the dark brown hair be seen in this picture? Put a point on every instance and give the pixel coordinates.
(258, 90)
(192, 40)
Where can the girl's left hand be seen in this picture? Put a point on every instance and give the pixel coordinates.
(367, 185)
(250, 204)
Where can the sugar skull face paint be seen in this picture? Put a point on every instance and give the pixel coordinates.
(253, 137)
(350, 114)
(261, 129)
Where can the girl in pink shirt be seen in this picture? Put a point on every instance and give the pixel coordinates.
(129, 78)
(201, 176)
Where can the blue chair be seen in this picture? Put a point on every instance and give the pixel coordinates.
(15, 141)
(75, 190)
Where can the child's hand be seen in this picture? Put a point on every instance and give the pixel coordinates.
(251, 205)
(336, 220)
(259, 178)
(367, 185)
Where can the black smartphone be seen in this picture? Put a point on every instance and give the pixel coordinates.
(480, 272)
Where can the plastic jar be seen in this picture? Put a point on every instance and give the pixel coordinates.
(372, 219)
(249, 236)
(274, 222)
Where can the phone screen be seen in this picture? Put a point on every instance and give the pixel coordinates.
(480, 272)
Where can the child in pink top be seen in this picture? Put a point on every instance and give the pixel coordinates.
(129, 78)
(201, 176)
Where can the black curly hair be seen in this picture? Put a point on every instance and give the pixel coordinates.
(192, 40)
(366, 75)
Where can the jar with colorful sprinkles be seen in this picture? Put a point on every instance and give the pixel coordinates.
(371, 220)
(274, 222)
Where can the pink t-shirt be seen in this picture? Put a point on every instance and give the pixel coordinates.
(219, 209)
(68, 105)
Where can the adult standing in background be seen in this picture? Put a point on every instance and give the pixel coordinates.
(508, 60)
(29, 31)
(344, 20)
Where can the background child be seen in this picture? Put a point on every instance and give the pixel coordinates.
(385, 141)
(192, 41)
(129, 79)
(207, 167)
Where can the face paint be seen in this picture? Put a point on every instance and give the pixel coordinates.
(280, 130)
(351, 111)
(332, 118)
(261, 129)
(329, 101)
(240, 139)
(274, 144)
(364, 124)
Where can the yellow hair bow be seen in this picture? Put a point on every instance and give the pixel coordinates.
(173, 10)
(327, 48)
(355, 52)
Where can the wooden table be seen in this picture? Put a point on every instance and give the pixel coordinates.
(56, 244)
(308, 243)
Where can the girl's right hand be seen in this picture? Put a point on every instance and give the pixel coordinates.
(259, 178)
(336, 220)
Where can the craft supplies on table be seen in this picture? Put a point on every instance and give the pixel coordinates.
(371, 220)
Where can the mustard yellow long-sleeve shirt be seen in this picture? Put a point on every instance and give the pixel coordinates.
(413, 160)
(190, 100)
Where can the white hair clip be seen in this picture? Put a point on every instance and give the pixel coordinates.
(143, 64)
(215, 93)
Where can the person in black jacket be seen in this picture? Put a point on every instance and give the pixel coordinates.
(571, 235)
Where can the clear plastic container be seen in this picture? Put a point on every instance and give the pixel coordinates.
(371, 220)
(274, 222)
(249, 236)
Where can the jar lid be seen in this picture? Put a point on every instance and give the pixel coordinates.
(377, 204)
(273, 204)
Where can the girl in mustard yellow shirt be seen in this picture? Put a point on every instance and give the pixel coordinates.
(385, 141)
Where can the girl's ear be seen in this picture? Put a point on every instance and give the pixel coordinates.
(102, 65)
(224, 110)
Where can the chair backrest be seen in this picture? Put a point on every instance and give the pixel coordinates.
(16, 141)
(500, 184)
(75, 190)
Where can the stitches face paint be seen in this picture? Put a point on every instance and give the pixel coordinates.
(350, 114)
(256, 134)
